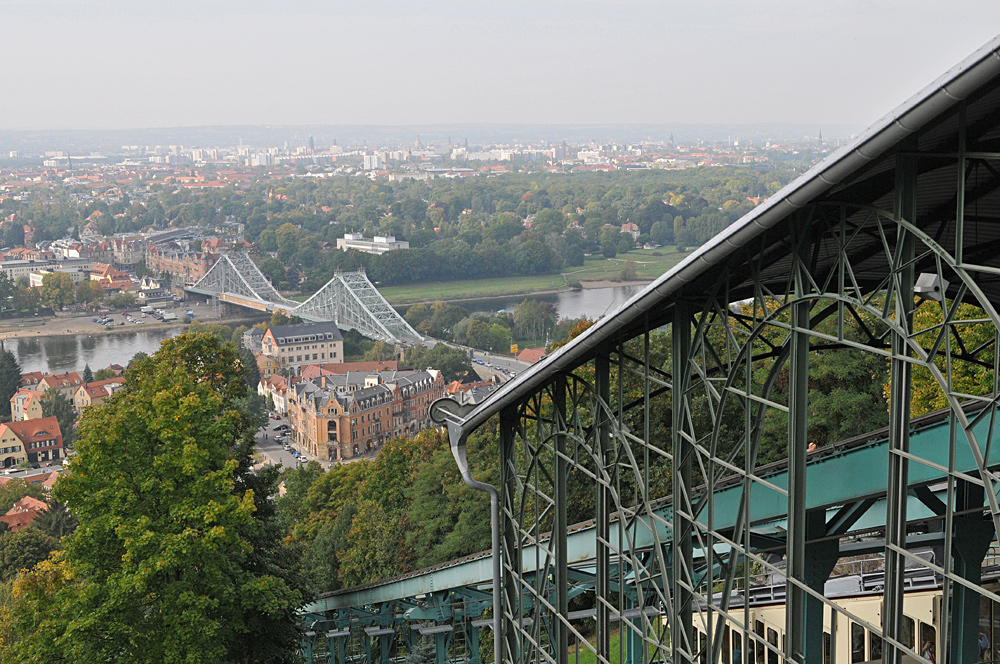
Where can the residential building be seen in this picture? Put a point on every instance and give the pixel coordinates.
(23, 512)
(293, 346)
(253, 338)
(37, 441)
(332, 421)
(380, 244)
(26, 405)
(266, 365)
(67, 383)
(32, 378)
(275, 387)
(94, 393)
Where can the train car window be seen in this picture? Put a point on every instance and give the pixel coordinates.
(751, 650)
(759, 628)
(906, 636)
(874, 646)
(986, 637)
(737, 647)
(725, 645)
(703, 651)
(772, 652)
(826, 648)
(928, 642)
(857, 643)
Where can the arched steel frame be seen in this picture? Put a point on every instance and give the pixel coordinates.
(652, 423)
(583, 425)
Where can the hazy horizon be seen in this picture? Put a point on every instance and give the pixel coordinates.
(117, 65)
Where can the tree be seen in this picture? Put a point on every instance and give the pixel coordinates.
(88, 291)
(56, 404)
(279, 318)
(454, 363)
(23, 550)
(380, 351)
(179, 555)
(10, 382)
(103, 374)
(25, 299)
(57, 290)
(6, 288)
(88, 375)
(628, 272)
(56, 521)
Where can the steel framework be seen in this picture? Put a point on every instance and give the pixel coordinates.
(236, 273)
(653, 424)
(348, 299)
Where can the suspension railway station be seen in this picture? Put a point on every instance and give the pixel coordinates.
(636, 519)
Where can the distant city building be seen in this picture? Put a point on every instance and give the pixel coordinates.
(373, 162)
(75, 274)
(380, 244)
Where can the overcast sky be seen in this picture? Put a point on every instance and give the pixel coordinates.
(109, 64)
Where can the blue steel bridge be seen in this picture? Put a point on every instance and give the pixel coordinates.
(873, 251)
(348, 299)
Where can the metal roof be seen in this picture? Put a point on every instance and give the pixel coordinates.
(862, 173)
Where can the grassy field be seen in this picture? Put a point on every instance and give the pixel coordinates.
(594, 268)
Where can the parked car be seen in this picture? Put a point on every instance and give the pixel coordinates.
(281, 427)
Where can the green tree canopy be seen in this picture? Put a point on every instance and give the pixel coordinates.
(10, 382)
(23, 550)
(56, 404)
(177, 556)
(58, 290)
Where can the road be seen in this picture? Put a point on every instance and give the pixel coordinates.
(274, 453)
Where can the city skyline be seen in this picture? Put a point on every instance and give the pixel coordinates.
(106, 64)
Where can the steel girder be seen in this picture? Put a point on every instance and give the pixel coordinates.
(350, 300)
(236, 273)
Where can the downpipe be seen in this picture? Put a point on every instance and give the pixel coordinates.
(457, 439)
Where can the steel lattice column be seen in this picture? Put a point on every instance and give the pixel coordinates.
(681, 631)
(900, 295)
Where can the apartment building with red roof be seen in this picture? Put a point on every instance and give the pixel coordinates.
(94, 393)
(26, 404)
(23, 513)
(67, 383)
(35, 441)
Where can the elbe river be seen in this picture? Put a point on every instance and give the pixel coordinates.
(58, 354)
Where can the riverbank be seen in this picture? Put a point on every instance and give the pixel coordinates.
(596, 272)
(66, 323)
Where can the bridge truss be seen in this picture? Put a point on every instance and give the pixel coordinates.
(348, 299)
(654, 423)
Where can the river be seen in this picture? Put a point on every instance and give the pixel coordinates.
(72, 352)
(589, 302)
(59, 354)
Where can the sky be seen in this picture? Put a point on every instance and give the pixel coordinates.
(121, 64)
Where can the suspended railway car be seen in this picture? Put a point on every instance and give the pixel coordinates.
(848, 641)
